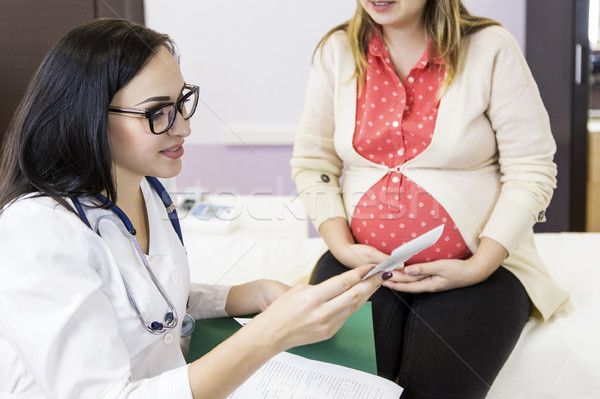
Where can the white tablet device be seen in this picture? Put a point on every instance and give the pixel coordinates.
(407, 250)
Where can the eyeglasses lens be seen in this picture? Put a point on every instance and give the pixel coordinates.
(163, 118)
(188, 102)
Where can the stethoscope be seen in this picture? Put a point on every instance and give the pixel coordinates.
(126, 227)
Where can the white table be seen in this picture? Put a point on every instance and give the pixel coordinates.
(270, 241)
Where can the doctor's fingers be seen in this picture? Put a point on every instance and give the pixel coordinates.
(349, 301)
(325, 318)
(305, 318)
(336, 285)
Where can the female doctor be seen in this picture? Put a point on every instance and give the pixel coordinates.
(94, 280)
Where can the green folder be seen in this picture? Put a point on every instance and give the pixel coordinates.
(352, 346)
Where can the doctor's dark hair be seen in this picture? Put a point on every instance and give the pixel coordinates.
(57, 143)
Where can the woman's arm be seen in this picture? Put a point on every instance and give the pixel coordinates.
(304, 314)
(316, 166)
(338, 237)
(525, 145)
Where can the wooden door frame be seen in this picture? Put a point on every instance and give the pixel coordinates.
(20, 16)
(554, 28)
(579, 151)
(132, 10)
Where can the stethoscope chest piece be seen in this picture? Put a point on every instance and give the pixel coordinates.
(187, 326)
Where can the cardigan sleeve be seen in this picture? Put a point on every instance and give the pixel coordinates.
(316, 167)
(525, 146)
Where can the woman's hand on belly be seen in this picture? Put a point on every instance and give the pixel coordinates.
(439, 275)
(447, 274)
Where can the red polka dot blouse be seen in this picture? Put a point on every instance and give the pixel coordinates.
(395, 123)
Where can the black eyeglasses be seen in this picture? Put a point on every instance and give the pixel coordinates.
(162, 116)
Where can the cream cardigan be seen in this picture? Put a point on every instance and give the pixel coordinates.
(490, 162)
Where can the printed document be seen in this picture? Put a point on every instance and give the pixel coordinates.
(288, 376)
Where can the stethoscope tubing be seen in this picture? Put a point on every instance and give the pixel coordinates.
(169, 322)
(188, 324)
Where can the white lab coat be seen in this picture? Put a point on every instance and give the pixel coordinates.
(67, 329)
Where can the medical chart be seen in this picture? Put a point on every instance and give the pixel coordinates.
(405, 251)
(288, 376)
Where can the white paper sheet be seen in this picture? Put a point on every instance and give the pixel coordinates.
(242, 320)
(288, 376)
(407, 250)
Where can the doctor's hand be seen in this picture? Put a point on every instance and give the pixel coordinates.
(253, 297)
(301, 315)
(447, 274)
(312, 313)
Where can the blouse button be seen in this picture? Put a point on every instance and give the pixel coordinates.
(541, 216)
(395, 124)
(325, 178)
(411, 79)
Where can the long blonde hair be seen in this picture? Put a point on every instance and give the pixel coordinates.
(447, 22)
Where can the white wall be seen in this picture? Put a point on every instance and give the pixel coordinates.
(251, 58)
(510, 13)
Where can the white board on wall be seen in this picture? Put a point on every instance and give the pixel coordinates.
(251, 58)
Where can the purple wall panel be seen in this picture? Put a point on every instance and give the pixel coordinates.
(238, 169)
(218, 169)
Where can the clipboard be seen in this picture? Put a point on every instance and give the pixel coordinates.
(352, 346)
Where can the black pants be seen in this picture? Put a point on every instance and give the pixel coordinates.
(450, 344)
